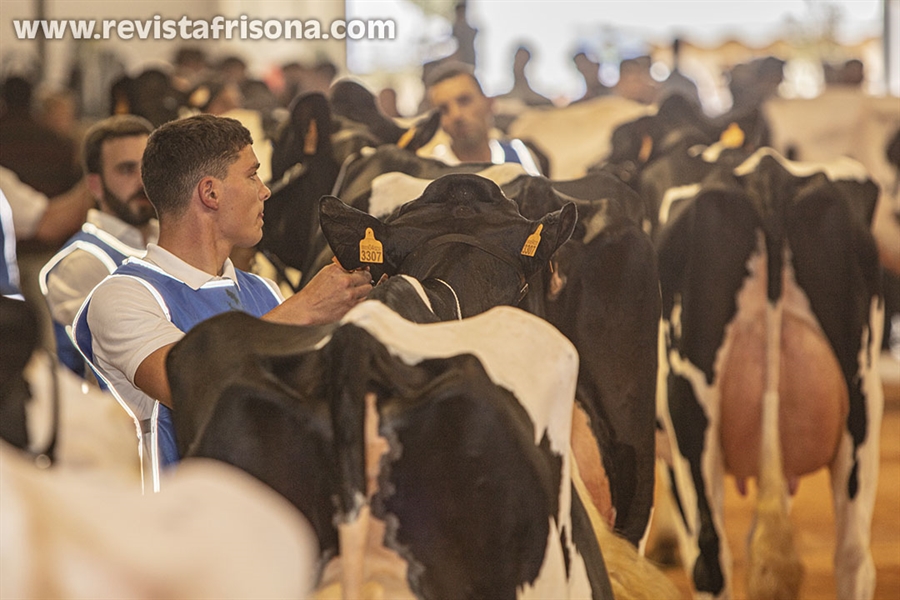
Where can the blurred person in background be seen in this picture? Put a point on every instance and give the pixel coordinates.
(39, 156)
(467, 119)
(121, 227)
(590, 73)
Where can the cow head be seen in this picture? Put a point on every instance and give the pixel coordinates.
(462, 231)
(356, 109)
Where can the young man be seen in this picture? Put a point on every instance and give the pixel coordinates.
(467, 117)
(121, 228)
(200, 174)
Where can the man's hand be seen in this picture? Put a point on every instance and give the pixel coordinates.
(325, 299)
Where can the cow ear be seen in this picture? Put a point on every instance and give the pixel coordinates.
(556, 229)
(353, 235)
(421, 132)
(306, 133)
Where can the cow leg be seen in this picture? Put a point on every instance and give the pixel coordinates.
(854, 479)
(854, 569)
(698, 472)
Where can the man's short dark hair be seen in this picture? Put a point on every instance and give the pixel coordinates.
(448, 70)
(181, 153)
(117, 126)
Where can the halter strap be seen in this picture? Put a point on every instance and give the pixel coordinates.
(455, 298)
(463, 238)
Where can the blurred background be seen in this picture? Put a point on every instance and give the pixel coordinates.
(809, 35)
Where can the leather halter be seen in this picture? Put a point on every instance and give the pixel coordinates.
(485, 246)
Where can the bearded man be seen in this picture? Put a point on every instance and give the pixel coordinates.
(121, 227)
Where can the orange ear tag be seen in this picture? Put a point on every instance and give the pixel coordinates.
(370, 249)
(532, 242)
(406, 138)
(646, 148)
(733, 137)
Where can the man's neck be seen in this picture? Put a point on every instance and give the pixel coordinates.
(195, 247)
(480, 153)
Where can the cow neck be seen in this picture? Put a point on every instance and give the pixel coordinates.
(462, 238)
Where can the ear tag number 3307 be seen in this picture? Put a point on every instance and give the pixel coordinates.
(532, 242)
(370, 250)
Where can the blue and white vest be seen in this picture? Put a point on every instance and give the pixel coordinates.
(184, 307)
(106, 248)
(513, 151)
(9, 266)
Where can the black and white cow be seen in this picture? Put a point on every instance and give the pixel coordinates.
(609, 307)
(772, 305)
(431, 459)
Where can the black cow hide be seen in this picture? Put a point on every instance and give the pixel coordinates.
(609, 308)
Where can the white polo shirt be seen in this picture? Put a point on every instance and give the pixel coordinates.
(127, 323)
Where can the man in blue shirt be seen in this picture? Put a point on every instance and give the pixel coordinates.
(200, 174)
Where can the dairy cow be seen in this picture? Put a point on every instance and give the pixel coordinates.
(608, 306)
(771, 311)
(431, 459)
(845, 121)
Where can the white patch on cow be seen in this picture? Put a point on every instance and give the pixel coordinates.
(509, 343)
(394, 189)
(842, 168)
(93, 431)
(417, 285)
(673, 195)
(709, 153)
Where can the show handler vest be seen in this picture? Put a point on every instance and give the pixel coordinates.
(184, 307)
(105, 248)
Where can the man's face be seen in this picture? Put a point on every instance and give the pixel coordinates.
(241, 204)
(120, 177)
(465, 112)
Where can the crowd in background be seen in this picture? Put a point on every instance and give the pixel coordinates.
(41, 130)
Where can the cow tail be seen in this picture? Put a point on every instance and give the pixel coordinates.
(775, 570)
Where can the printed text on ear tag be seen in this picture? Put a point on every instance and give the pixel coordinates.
(532, 242)
(370, 248)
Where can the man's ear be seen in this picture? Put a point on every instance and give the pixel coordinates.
(95, 185)
(210, 192)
